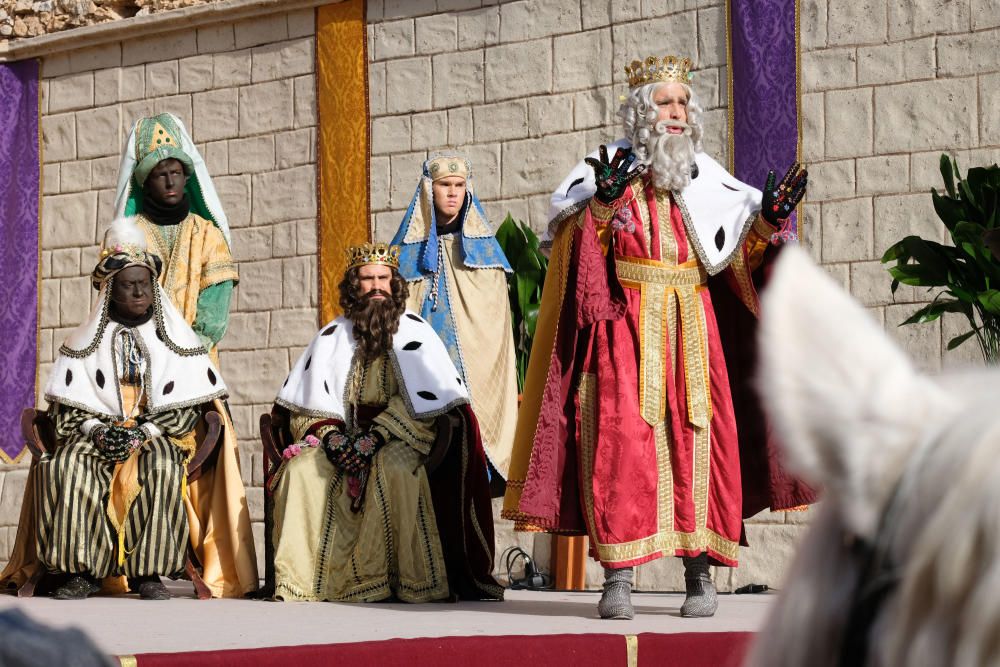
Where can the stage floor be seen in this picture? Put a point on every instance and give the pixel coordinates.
(126, 625)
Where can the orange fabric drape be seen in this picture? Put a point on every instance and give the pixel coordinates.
(342, 105)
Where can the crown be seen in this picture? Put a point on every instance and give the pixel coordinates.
(653, 70)
(373, 253)
(447, 165)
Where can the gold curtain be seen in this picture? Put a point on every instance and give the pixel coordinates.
(342, 105)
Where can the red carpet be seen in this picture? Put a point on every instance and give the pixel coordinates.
(692, 649)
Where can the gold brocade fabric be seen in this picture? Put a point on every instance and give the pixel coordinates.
(323, 550)
(658, 283)
(342, 103)
(195, 257)
(481, 314)
(218, 518)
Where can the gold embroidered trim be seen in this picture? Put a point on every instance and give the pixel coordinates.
(744, 285)
(632, 650)
(651, 313)
(666, 540)
(654, 280)
(639, 189)
(641, 270)
(664, 478)
(695, 349)
(668, 243)
(587, 393)
(701, 475)
(600, 211)
(666, 543)
(762, 227)
(672, 331)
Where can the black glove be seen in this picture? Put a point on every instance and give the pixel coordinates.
(116, 443)
(337, 447)
(354, 454)
(779, 202)
(613, 176)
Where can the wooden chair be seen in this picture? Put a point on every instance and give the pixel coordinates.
(276, 435)
(40, 436)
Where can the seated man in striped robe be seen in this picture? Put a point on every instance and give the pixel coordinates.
(125, 394)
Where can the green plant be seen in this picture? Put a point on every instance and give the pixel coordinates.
(524, 285)
(969, 270)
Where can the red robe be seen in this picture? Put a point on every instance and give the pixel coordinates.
(637, 440)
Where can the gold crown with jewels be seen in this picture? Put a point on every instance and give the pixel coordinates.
(373, 253)
(656, 70)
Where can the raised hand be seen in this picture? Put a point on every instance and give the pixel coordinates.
(780, 200)
(613, 175)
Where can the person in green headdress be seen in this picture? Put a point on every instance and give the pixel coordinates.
(164, 182)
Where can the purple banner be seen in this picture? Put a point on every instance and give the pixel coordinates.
(763, 85)
(20, 179)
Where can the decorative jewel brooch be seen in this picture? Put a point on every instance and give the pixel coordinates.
(623, 220)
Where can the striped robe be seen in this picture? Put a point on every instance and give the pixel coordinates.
(75, 532)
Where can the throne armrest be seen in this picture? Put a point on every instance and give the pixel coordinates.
(38, 431)
(208, 445)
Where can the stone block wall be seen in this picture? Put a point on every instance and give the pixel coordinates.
(524, 88)
(245, 91)
(886, 88)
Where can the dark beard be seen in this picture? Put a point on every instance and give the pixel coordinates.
(375, 323)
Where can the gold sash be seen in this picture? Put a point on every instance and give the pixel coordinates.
(662, 287)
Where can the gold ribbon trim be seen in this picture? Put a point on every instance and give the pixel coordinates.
(659, 285)
(632, 650)
(667, 539)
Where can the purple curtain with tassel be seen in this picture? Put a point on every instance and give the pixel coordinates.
(20, 180)
(763, 86)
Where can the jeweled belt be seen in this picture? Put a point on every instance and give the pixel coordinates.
(657, 283)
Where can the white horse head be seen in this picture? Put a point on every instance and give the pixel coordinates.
(910, 467)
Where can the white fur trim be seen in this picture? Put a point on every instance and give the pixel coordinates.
(715, 200)
(430, 383)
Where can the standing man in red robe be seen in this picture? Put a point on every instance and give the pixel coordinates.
(628, 430)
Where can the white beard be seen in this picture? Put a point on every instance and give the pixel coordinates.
(670, 157)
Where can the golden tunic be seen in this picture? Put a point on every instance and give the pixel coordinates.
(325, 551)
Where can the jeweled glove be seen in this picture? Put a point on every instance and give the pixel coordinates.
(337, 447)
(116, 443)
(779, 201)
(613, 176)
(353, 455)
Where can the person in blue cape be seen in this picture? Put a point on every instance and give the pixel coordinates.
(457, 275)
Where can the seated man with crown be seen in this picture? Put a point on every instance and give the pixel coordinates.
(125, 395)
(628, 429)
(357, 517)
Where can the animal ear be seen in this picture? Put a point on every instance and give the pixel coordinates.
(845, 402)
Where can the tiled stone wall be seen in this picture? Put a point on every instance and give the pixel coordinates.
(525, 89)
(887, 87)
(245, 91)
